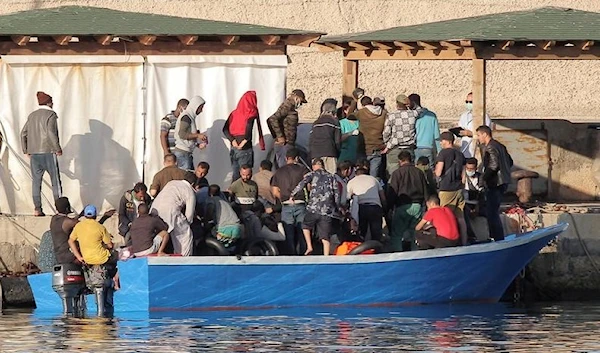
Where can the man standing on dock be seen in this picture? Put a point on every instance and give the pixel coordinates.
(497, 163)
(39, 140)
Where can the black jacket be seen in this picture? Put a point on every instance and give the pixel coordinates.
(128, 212)
(325, 137)
(497, 163)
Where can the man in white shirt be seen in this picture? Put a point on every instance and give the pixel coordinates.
(467, 145)
(367, 191)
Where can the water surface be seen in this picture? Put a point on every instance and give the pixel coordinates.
(565, 327)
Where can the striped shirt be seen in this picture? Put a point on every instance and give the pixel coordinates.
(167, 124)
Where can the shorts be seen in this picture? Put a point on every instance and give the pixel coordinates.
(322, 225)
(156, 242)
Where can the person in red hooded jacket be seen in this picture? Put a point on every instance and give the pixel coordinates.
(238, 130)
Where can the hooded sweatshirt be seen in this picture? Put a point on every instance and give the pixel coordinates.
(371, 123)
(240, 122)
(186, 124)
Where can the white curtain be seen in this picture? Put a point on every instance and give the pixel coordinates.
(99, 104)
(221, 81)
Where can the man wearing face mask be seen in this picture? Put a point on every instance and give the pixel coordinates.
(467, 145)
(284, 125)
(187, 134)
(167, 127)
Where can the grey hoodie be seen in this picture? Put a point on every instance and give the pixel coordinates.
(189, 117)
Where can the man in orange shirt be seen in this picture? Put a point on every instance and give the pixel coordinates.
(438, 228)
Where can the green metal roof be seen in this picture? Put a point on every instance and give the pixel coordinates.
(548, 23)
(81, 21)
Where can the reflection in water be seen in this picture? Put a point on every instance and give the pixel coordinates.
(464, 328)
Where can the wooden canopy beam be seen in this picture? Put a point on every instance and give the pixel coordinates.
(323, 48)
(359, 46)
(404, 46)
(187, 40)
(546, 45)
(302, 40)
(229, 40)
(428, 45)
(338, 46)
(270, 40)
(479, 89)
(587, 45)
(383, 46)
(104, 39)
(450, 45)
(146, 39)
(463, 54)
(506, 45)
(62, 40)
(349, 76)
(21, 40)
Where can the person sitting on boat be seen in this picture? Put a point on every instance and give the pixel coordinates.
(176, 205)
(95, 243)
(438, 228)
(128, 205)
(201, 172)
(323, 205)
(170, 172)
(148, 233)
(244, 190)
(221, 219)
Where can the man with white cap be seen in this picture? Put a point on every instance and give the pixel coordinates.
(187, 134)
(39, 140)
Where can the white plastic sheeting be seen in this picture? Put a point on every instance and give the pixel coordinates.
(221, 81)
(100, 104)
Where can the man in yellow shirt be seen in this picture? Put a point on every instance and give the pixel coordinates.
(95, 244)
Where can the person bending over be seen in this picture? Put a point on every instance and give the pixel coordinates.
(148, 233)
(438, 228)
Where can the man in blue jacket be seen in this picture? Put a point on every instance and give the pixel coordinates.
(428, 131)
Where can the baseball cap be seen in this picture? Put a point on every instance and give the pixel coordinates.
(402, 99)
(89, 211)
(378, 101)
(300, 94)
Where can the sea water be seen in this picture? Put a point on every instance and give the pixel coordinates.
(561, 327)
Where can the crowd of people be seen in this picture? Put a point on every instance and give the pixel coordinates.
(367, 164)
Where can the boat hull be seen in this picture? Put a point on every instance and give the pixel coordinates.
(463, 274)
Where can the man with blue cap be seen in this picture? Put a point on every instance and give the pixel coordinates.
(95, 242)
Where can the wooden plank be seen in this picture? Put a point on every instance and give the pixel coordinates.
(404, 46)
(536, 53)
(302, 40)
(62, 40)
(587, 45)
(229, 40)
(359, 46)
(461, 54)
(187, 40)
(428, 46)
(338, 46)
(322, 47)
(146, 39)
(104, 40)
(383, 45)
(349, 76)
(506, 45)
(479, 89)
(450, 45)
(21, 40)
(270, 40)
(546, 45)
(136, 48)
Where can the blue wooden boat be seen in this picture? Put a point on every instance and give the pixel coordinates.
(476, 273)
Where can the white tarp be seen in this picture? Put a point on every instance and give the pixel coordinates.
(100, 104)
(221, 81)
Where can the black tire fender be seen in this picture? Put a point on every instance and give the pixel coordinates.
(216, 245)
(368, 245)
(265, 247)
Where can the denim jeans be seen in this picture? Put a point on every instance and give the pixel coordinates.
(375, 163)
(239, 158)
(493, 201)
(292, 217)
(184, 159)
(41, 163)
(425, 152)
(280, 151)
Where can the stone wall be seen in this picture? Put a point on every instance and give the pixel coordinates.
(561, 89)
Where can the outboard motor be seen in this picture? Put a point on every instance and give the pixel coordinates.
(68, 282)
(99, 281)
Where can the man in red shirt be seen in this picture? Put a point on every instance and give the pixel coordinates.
(438, 228)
